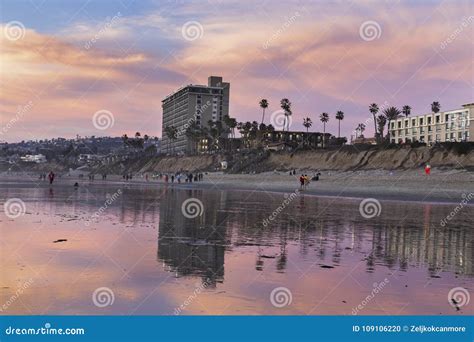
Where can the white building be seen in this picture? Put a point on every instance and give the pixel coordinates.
(34, 158)
(454, 125)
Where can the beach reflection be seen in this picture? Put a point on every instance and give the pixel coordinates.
(154, 258)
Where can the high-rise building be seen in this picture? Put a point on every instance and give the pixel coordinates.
(453, 125)
(191, 104)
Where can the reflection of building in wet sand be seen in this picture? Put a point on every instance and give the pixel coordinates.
(421, 242)
(405, 236)
(192, 246)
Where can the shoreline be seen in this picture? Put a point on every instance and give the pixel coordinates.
(409, 186)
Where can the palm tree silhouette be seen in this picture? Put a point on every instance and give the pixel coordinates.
(324, 117)
(339, 117)
(171, 134)
(391, 113)
(435, 107)
(263, 105)
(360, 128)
(406, 110)
(374, 109)
(307, 123)
(381, 121)
(285, 104)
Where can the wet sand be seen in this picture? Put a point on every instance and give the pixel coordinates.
(450, 186)
(231, 257)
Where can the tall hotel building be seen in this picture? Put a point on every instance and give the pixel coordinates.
(454, 125)
(193, 104)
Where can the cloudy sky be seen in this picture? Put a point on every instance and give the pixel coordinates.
(63, 61)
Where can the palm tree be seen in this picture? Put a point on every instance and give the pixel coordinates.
(263, 105)
(406, 110)
(285, 104)
(339, 116)
(435, 107)
(231, 123)
(381, 121)
(125, 139)
(324, 117)
(171, 134)
(361, 128)
(307, 123)
(193, 132)
(374, 109)
(391, 113)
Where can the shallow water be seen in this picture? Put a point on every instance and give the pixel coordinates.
(136, 241)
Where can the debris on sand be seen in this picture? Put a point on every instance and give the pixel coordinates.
(326, 266)
(60, 240)
(455, 303)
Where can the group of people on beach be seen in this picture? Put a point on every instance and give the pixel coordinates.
(179, 177)
(304, 181)
(51, 176)
(127, 176)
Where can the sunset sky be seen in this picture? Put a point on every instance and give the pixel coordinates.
(75, 58)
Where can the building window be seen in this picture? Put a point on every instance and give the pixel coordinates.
(437, 119)
(413, 122)
(421, 121)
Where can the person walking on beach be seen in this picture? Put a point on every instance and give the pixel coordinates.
(427, 169)
(301, 181)
(51, 177)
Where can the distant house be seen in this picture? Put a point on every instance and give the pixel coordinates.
(33, 158)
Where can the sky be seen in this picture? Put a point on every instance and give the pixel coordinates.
(102, 67)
